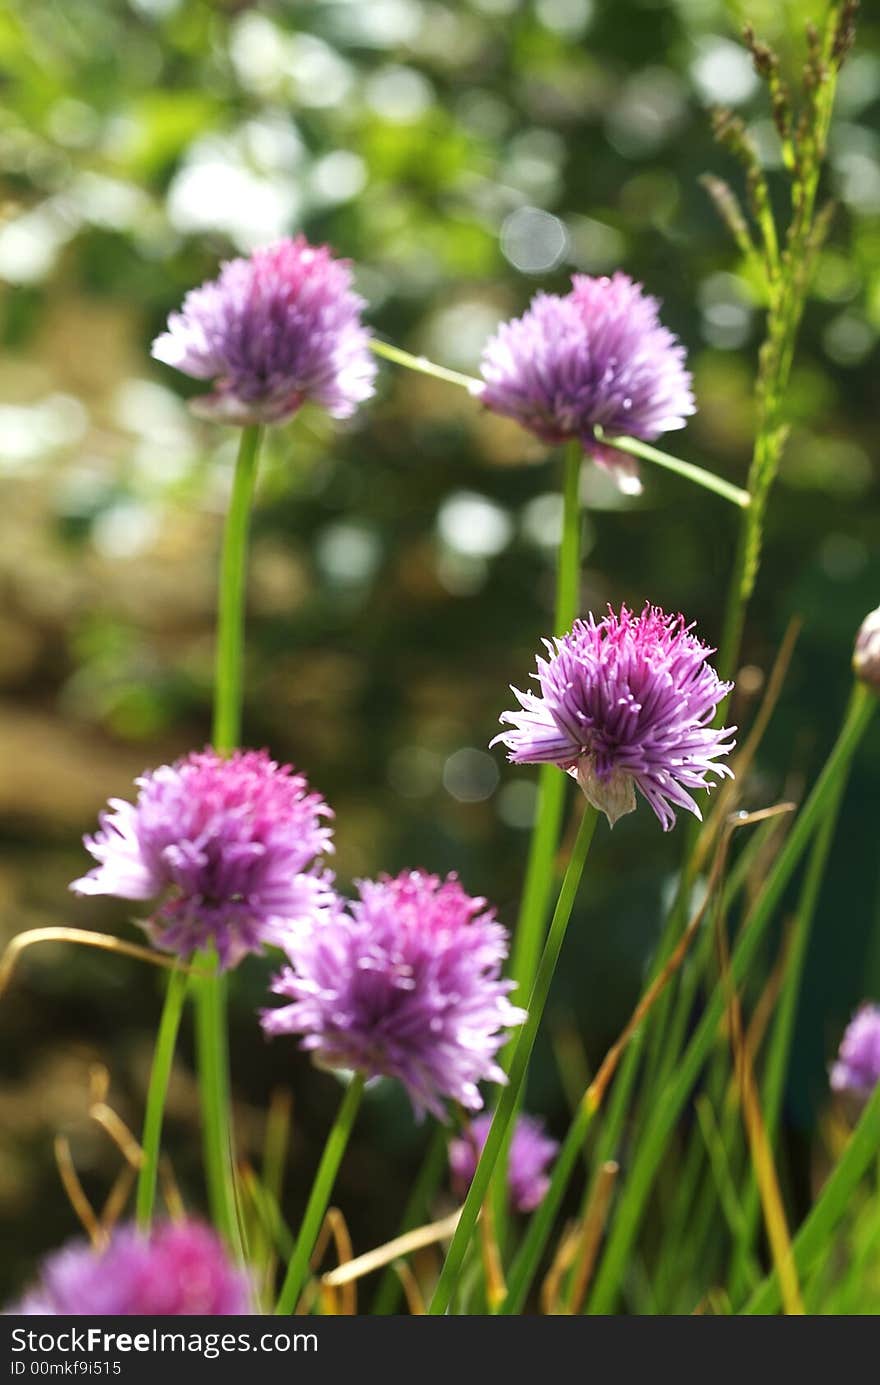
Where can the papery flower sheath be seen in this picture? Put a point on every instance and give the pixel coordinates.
(227, 847)
(530, 1155)
(273, 332)
(178, 1268)
(405, 982)
(595, 357)
(625, 703)
(857, 1068)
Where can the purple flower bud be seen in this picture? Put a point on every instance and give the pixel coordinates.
(625, 703)
(176, 1269)
(273, 332)
(597, 357)
(531, 1152)
(405, 982)
(858, 1061)
(227, 847)
(866, 656)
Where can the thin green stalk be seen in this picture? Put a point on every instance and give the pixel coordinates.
(531, 925)
(832, 1203)
(529, 934)
(211, 1022)
(689, 471)
(541, 1223)
(607, 1147)
(428, 1180)
(319, 1197)
(233, 585)
(163, 1057)
(671, 1100)
(506, 1109)
(706, 479)
(423, 366)
(783, 1029)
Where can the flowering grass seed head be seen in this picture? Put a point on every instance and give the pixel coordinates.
(597, 357)
(530, 1155)
(176, 1269)
(625, 703)
(273, 332)
(405, 982)
(227, 846)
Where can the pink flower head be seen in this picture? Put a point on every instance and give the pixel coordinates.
(272, 332)
(405, 982)
(227, 846)
(625, 703)
(596, 357)
(177, 1269)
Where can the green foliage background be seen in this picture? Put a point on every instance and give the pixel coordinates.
(463, 155)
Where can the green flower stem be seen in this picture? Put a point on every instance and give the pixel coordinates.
(707, 479)
(833, 1202)
(531, 926)
(233, 581)
(416, 1211)
(319, 1198)
(211, 1023)
(634, 446)
(668, 1105)
(506, 1109)
(163, 1057)
(423, 366)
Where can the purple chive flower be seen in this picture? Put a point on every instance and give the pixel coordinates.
(405, 982)
(596, 357)
(227, 846)
(272, 332)
(531, 1152)
(625, 703)
(858, 1061)
(176, 1269)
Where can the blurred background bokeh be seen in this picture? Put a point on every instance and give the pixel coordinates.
(463, 154)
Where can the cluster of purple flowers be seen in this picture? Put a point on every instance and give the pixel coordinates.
(284, 327)
(179, 1268)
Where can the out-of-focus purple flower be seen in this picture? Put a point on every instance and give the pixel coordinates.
(625, 703)
(858, 1060)
(178, 1268)
(531, 1152)
(227, 846)
(405, 982)
(598, 356)
(272, 332)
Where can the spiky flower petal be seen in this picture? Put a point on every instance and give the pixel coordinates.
(227, 846)
(595, 357)
(405, 982)
(272, 332)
